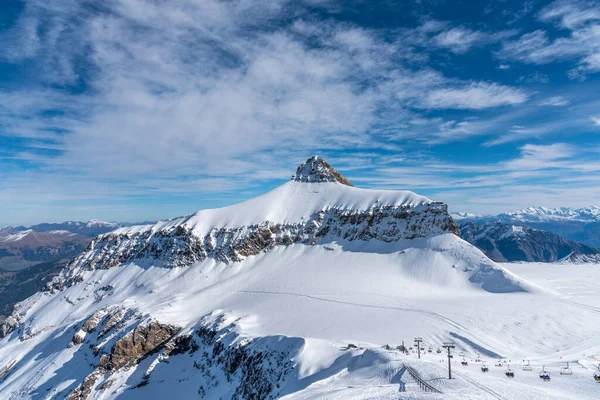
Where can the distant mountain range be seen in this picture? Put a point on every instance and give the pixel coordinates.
(576, 224)
(91, 228)
(20, 249)
(31, 256)
(505, 242)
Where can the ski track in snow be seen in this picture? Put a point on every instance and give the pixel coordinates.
(482, 387)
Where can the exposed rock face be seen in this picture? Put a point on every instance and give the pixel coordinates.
(505, 242)
(8, 326)
(83, 391)
(576, 258)
(253, 369)
(179, 247)
(315, 170)
(143, 340)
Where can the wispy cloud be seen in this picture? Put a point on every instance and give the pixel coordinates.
(460, 39)
(555, 101)
(581, 19)
(475, 96)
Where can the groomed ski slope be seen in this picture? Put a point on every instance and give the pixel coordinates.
(330, 297)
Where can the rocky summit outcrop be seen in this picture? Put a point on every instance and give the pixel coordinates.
(315, 170)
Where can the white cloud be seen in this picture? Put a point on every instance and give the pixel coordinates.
(595, 120)
(475, 96)
(581, 19)
(555, 101)
(461, 39)
(571, 13)
(458, 40)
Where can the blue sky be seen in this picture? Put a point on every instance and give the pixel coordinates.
(138, 109)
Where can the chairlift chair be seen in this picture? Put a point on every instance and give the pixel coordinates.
(499, 363)
(464, 362)
(566, 370)
(484, 368)
(544, 375)
(509, 372)
(597, 375)
(439, 351)
(430, 350)
(527, 367)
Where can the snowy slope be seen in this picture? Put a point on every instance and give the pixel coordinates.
(213, 306)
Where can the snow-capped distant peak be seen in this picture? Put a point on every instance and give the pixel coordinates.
(99, 222)
(316, 170)
(457, 215)
(13, 237)
(590, 213)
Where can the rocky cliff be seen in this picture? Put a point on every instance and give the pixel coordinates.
(187, 240)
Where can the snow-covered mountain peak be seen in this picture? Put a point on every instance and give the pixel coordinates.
(316, 170)
(233, 289)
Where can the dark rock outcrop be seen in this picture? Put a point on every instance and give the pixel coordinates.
(140, 342)
(316, 170)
